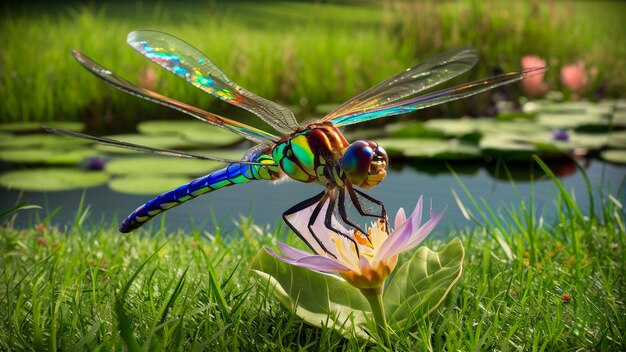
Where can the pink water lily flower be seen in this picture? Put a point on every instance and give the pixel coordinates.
(368, 266)
(574, 76)
(534, 85)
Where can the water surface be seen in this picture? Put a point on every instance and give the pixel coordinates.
(265, 201)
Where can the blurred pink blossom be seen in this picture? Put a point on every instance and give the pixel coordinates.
(574, 76)
(147, 78)
(534, 85)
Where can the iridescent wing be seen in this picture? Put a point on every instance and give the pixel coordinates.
(193, 66)
(143, 148)
(439, 97)
(239, 128)
(407, 83)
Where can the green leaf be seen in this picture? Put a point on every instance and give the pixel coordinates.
(192, 131)
(49, 156)
(161, 166)
(319, 299)
(617, 156)
(51, 179)
(422, 283)
(146, 185)
(166, 142)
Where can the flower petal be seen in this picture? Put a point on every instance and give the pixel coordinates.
(278, 256)
(416, 216)
(400, 218)
(423, 231)
(312, 262)
(319, 263)
(400, 236)
(292, 252)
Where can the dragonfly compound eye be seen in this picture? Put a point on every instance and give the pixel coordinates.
(365, 163)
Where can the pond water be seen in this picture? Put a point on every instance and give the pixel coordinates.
(265, 202)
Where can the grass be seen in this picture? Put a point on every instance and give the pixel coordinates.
(528, 284)
(298, 53)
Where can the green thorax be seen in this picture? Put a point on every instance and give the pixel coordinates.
(309, 154)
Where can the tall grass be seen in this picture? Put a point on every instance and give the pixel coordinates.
(296, 53)
(529, 284)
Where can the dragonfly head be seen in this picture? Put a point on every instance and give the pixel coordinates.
(365, 163)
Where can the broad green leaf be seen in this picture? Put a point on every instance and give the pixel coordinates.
(146, 185)
(48, 156)
(211, 136)
(160, 166)
(430, 148)
(422, 283)
(617, 156)
(51, 179)
(319, 299)
(167, 142)
(193, 131)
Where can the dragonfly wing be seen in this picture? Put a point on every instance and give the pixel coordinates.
(193, 66)
(407, 83)
(239, 128)
(439, 97)
(143, 148)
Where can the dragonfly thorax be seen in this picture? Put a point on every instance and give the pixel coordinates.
(320, 153)
(311, 154)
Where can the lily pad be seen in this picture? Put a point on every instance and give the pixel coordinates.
(546, 141)
(617, 139)
(194, 131)
(431, 148)
(165, 142)
(157, 165)
(572, 120)
(169, 127)
(453, 127)
(619, 119)
(51, 179)
(146, 185)
(36, 126)
(211, 136)
(508, 147)
(412, 129)
(47, 156)
(617, 156)
(420, 285)
(319, 299)
(46, 140)
(564, 108)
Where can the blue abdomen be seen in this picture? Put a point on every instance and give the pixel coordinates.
(228, 176)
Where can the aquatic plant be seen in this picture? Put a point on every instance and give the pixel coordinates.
(574, 77)
(534, 86)
(368, 261)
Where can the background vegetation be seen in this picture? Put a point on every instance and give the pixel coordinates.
(298, 53)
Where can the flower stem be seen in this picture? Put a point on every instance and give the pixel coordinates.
(376, 302)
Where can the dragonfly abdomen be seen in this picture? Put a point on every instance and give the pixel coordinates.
(231, 175)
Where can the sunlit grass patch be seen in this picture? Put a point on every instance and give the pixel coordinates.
(528, 283)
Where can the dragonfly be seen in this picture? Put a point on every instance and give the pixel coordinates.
(315, 152)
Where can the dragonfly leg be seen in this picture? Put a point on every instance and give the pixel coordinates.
(318, 199)
(355, 200)
(328, 222)
(344, 214)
